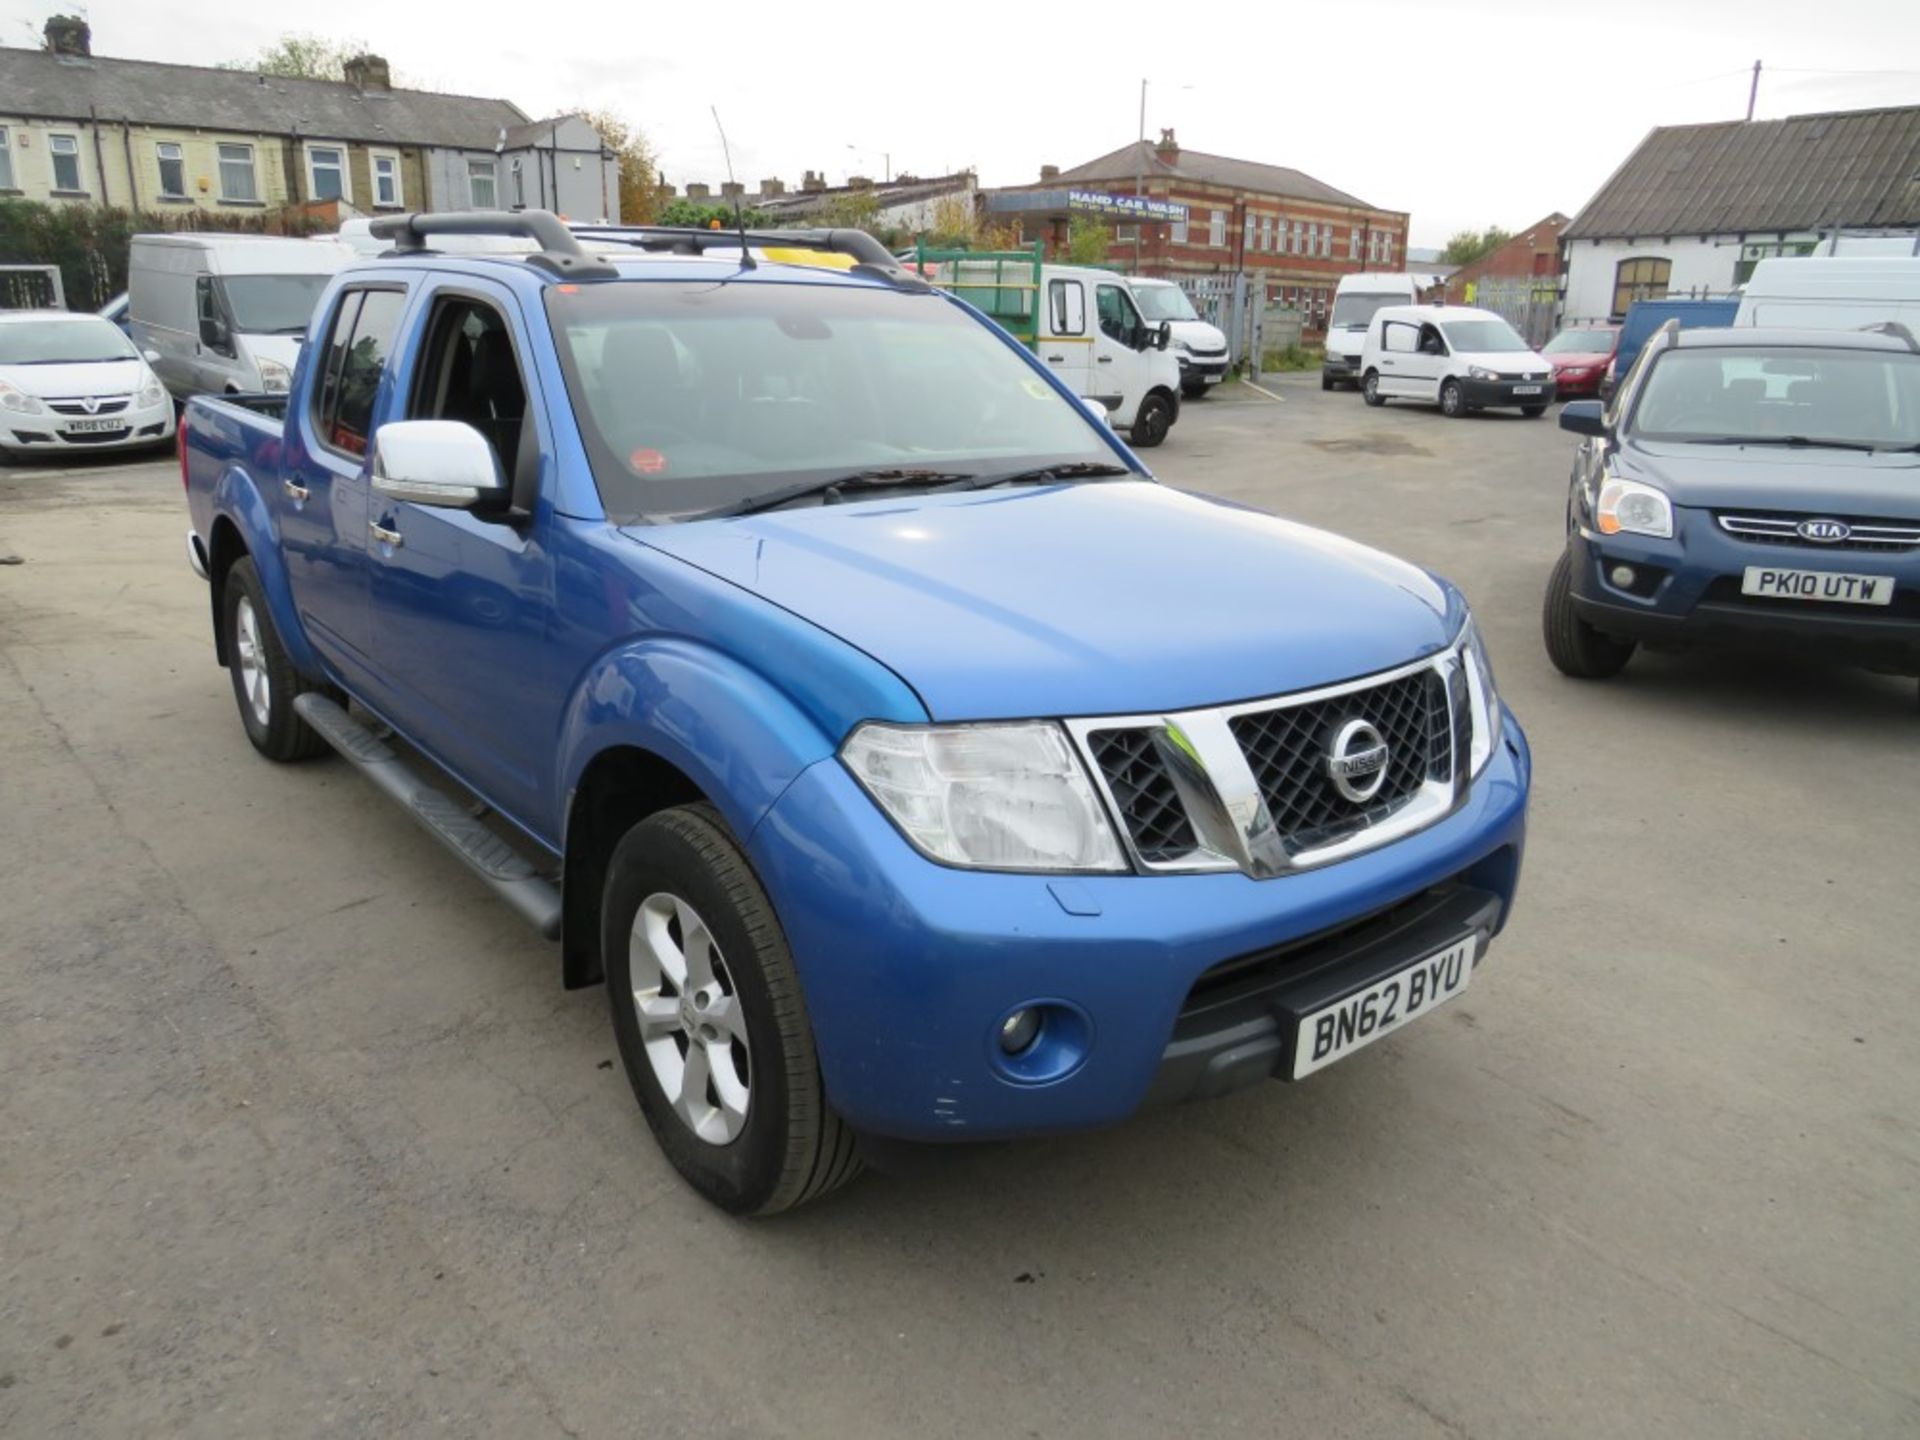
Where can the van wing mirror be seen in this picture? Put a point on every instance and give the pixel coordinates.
(1583, 417)
(443, 463)
(1163, 337)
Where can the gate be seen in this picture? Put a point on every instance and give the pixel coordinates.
(31, 287)
(1223, 302)
(1526, 302)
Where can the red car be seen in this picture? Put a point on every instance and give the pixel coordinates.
(1579, 356)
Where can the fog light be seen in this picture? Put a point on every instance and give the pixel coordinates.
(1623, 576)
(1019, 1030)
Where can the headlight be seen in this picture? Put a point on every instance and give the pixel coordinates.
(990, 797)
(150, 391)
(274, 376)
(1482, 698)
(18, 401)
(1636, 509)
(1183, 347)
(1480, 372)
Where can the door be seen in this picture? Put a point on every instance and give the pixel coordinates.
(1400, 361)
(1119, 367)
(463, 634)
(1428, 364)
(1066, 347)
(322, 502)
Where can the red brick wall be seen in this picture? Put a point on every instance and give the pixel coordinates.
(1527, 253)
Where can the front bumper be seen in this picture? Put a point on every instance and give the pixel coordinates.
(909, 967)
(1202, 369)
(142, 425)
(1568, 386)
(1495, 394)
(1340, 367)
(1686, 592)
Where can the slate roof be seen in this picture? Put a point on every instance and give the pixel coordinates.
(1208, 169)
(192, 97)
(1807, 172)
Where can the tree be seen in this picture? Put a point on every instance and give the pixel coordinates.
(1468, 246)
(1087, 240)
(642, 197)
(302, 56)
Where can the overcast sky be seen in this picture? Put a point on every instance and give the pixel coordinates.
(1464, 112)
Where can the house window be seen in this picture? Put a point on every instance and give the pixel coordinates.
(386, 181)
(1246, 235)
(1217, 229)
(1642, 278)
(519, 187)
(65, 153)
(1386, 250)
(1353, 243)
(1293, 246)
(236, 173)
(1180, 229)
(326, 172)
(1266, 232)
(482, 193)
(6, 161)
(173, 170)
(1326, 241)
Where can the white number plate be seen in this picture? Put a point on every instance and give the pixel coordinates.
(1772, 584)
(92, 427)
(1526, 389)
(1383, 1007)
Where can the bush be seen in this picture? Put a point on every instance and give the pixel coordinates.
(1294, 357)
(90, 243)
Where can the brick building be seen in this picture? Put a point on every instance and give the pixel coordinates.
(1534, 252)
(1296, 235)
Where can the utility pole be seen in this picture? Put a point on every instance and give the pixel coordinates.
(1753, 90)
(1140, 174)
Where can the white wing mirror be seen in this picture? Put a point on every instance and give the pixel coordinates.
(444, 463)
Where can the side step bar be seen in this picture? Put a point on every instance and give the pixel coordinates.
(510, 875)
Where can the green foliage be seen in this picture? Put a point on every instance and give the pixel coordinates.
(1470, 245)
(302, 56)
(1087, 240)
(696, 215)
(90, 243)
(642, 197)
(1294, 357)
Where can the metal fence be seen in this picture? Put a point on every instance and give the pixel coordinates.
(1225, 302)
(1528, 303)
(31, 287)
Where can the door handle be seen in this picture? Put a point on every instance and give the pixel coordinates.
(1106, 359)
(386, 536)
(296, 492)
(1056, 359)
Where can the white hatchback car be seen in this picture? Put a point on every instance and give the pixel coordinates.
(1460, 358)
(75, 382)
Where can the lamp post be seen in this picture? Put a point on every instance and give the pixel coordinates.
(1140, 170)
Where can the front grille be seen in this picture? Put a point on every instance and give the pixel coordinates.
(1890, 537)
(1143, 790)
(97, 437)
(1287, 749)
(101, 406)
(1521, 375)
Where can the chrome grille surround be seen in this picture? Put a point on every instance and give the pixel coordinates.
(1883, 535)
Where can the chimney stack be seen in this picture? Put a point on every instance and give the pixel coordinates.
(1049, 172)
(68, 35)
(773, 187)
(732, 190)
(367, 72)
(813, 181)
(1168, 150)
(697, 191)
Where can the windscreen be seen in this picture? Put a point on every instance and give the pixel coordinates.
(1483, 337)
(1860, 397)
(1581, 342)
(272, 304)
(1164, 302)
(62, 342)
(1353, 309)
(692, 397)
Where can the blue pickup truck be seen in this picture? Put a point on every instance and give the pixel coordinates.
(776, 634)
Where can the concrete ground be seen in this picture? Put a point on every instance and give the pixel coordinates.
(301, 1135)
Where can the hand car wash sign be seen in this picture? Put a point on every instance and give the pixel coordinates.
(1125, 207)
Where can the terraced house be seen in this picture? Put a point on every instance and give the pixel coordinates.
(94, 129)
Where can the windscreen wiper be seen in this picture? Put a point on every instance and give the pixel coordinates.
(1793, 442)
(832, 492)
(1042, 474)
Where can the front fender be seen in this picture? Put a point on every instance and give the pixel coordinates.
(726, 727)
(237, 498)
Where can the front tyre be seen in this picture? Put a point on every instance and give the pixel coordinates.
(1326, 381)
(710, 1021)
(1575, 647)
(264, 680)
(1370, 389)
(1453, 404)
(1153, 422)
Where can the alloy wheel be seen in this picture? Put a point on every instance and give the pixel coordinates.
(252, 658)
(691, 1024)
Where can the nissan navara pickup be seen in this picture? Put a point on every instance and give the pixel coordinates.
(779, 636)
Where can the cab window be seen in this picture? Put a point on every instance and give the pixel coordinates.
(359, 340)
(1068, 301)
(1118, 319)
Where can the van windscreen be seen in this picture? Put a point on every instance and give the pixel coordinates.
(1353, 309)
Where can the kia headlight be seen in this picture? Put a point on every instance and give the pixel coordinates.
(988, 797)
(18, 401)
(1628, 507)
(275, 378)
(1482, 699)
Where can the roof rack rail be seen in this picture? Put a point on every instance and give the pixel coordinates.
(1896, 330)
(867, 253)
(560, 252)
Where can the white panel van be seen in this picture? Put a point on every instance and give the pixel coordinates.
(1355, 299)
(1839, 292)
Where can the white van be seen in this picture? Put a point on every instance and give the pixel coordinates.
(1199, 349)
(1355, 299)
(1455, 356)
(225, 314)
(1838, 292)
(1089, 332)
